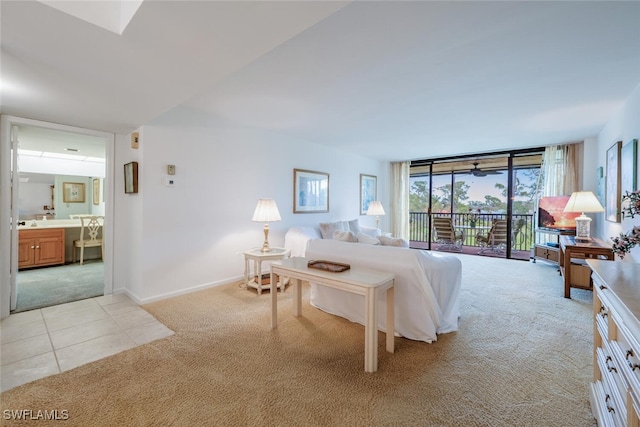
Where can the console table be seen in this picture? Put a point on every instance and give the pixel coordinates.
(572, 249)
(359, 281)
(615, 390)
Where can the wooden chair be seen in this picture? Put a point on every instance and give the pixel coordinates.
(517, 232)
(496, 240)
(90, 236)
(446, 235)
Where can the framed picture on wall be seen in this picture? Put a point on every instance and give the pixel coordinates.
(612, 194)
(131, 178)
(368, 191)
(96, 191)
(310, 191)
(73, 192)
(628, 166)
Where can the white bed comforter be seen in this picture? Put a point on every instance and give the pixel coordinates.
(427, 285)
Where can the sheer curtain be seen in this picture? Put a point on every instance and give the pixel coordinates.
(559, 170)
(400, 199)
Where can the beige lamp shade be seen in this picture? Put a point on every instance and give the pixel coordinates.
(583, 201)
(375, 208)
(266, 211)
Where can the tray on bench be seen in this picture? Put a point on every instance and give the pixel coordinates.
(335, 267)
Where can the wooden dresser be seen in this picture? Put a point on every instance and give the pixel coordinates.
(615, 391)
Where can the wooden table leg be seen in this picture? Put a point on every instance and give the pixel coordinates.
(567, 273)
(371, 331)
(297, 297)
(274, 303)
(390, 321)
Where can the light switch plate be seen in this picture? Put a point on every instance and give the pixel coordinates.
(171, 169)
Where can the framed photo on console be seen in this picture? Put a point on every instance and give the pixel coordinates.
(310, 191)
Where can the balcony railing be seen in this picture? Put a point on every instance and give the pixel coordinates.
(522, 228)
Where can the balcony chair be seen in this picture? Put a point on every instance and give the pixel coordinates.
(517, 231)
(90, 236)
(496, 240)
(446, 236)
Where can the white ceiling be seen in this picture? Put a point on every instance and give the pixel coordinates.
(394, 80)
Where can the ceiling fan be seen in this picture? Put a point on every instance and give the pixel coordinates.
(476, 171)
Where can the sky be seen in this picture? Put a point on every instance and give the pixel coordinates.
(479, 187)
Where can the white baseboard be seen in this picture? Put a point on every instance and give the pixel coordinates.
(159, 297)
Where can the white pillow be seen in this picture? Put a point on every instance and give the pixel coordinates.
(344, 236)
(328, 228)
(354, 225)
(370, 231)
(365, 238)
(392, 241)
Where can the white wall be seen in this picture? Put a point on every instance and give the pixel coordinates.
(623, 126)
(192, 234)
(32, 197)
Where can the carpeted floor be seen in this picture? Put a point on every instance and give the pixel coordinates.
(47, 286)
(522, 357)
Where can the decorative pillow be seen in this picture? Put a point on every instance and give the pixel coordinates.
(392, 241)
(328, 228)
(370, 231)
(345, 236)
(365, 238)
(354, 226)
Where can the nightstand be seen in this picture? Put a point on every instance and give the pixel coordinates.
(253, 277)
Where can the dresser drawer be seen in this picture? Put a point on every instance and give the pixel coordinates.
(613, 385)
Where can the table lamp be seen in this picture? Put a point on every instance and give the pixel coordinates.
(583, 201)
(375, 208)
(266, 211)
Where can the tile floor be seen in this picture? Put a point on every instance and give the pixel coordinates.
(39, 343)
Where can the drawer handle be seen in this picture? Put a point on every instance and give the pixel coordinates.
(629, 354)
(33, 247)
(611, 409)
(603, 287)
(634, 366)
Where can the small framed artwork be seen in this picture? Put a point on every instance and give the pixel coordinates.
(612, 183)
(310, 191)
(73, 192)
(628, 166)
(368, 191)
(96, 191)
(600, 185)
(131, 178)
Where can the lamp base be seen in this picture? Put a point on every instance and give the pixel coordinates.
(583, 228)
(265, 245)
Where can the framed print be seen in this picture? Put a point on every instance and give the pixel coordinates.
(612, 184)
(310, 191)
(96, 191)
(73, 192)
(368, 191)
(628, 167)
(600, 185)
(131, 178)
